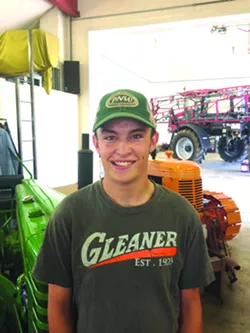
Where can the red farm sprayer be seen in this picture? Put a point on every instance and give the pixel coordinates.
(195, 117)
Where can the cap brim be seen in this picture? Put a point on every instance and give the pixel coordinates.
(122, 115)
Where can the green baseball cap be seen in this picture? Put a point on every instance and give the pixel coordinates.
(124, 104)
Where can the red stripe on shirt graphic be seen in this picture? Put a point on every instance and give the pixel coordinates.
(154, 253)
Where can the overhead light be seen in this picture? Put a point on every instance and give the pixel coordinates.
(222, 30)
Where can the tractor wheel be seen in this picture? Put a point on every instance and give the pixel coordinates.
(233, 150)
(186, 146)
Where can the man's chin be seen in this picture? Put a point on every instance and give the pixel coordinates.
(125, 180)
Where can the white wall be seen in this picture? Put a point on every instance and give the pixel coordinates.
(1, 85)
(64, 36)
(164, 89)
(56, 117)
(197, 54)
(57, 23)
(176, 54)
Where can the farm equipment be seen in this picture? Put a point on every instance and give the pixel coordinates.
(25, 210)
(194, 117)
(219, 215)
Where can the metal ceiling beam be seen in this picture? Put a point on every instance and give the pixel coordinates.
(191, 5)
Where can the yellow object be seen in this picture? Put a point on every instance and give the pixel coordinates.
(14, 54)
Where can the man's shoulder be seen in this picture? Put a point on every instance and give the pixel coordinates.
(81, 197)
(174, 198)
(84, 192)
(178, 206)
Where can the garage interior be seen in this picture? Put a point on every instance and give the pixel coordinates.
(207, 57)
(156, 49)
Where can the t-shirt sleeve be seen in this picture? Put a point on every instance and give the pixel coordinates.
(53, 264)
(197, 270)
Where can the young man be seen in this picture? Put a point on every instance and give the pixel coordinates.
(126, 253)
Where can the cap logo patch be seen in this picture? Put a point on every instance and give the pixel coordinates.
(122, 99)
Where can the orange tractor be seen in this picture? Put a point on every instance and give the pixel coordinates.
(219, 215)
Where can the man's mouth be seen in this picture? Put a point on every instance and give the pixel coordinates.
(122, 164)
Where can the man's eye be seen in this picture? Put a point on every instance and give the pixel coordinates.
(136, 136)
(110, 138)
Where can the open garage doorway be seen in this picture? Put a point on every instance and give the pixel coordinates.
(169, 59)
(172, 58)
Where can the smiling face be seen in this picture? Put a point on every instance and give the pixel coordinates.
(124, 146)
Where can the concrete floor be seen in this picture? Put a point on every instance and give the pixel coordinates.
(234, 314)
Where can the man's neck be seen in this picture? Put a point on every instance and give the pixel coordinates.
(129, 195)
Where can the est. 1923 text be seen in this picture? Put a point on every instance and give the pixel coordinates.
(161, 262)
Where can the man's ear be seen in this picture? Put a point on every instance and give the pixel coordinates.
(154, 141)
(95, 142)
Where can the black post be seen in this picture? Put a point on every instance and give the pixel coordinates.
(85, 163)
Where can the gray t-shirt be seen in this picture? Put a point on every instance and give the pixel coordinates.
(126, 266)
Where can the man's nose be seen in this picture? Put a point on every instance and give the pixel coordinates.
(124, 147)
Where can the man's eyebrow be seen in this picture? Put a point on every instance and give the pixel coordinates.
(106, 130)
(140, 129)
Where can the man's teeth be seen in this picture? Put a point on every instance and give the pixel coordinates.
(123, 163)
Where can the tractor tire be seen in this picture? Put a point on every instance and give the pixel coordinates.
(186, 146)
(233, 156)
